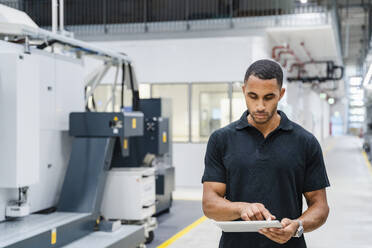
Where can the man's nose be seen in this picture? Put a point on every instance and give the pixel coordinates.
(260, 106)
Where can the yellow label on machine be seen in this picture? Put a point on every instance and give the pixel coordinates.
(54, 237)
(116, 118)
(125, 145)
(164, 137)
(134, 123)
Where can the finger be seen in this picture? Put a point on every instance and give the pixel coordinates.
(257, 213)
(272, 236)
(286, 222)
(278, 231)
(267, 215)
(245, 217)
(251, 214)
(277, 238)
(284, 234)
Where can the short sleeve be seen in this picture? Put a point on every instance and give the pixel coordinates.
(214, 170)
(315, 173)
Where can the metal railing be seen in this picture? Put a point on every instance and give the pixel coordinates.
(106, 12)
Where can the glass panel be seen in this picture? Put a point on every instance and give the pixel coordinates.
(178, 93)
(144, 91)
(238, 101)
(102, 100)
(210, 109)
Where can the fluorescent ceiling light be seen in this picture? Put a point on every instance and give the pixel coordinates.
(357, 103)
(357, 111)
(368, 76)
(356, 97)
(303, 1)
(356, 118)
(355, 81)
(331, 100)
(355, 90)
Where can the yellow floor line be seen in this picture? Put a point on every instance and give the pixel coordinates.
(330, 147)
(182, 232)
(368, 163)
(327, 149)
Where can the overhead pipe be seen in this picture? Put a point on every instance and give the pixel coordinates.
(309, 55)
(54, 16)
(58, 15)
(307, 51)
(291, 52)
(61, 16)
(331, 72)
(299, 65)
(273, 52)
(286, 51)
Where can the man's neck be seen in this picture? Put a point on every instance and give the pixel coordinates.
(267, 127)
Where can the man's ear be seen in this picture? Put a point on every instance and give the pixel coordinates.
(243, 87)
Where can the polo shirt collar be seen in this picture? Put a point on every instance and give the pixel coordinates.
(285, 123)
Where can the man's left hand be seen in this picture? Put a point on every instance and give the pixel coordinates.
(281, 235)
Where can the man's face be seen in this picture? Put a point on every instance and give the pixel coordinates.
(262, 97)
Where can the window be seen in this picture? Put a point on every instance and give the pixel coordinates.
(144, 91)
(178, 93)
(356, 102)
(103, 99)
(238, 101)
(210, 109)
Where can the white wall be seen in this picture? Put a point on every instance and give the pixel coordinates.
(213, 59)
(189, 162)
(308, 109)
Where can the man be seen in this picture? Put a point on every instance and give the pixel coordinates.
(258, 168)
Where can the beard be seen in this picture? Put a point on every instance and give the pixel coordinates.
(266, 116)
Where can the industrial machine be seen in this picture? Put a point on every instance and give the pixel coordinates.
(135, 206)
(153, 149)
(58, 154)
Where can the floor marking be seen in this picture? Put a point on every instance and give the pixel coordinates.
(327, 149)
(368, 163)
(182, 232)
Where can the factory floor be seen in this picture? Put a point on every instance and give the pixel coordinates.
(350, 200)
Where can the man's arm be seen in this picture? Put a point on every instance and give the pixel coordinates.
(317, 212)
(315, 216)
(217, 207)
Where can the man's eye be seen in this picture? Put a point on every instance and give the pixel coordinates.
(253, 97)
(269, 98)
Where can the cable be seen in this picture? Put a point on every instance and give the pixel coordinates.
(135, 93)
(122, 87)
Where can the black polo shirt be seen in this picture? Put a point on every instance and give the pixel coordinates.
(274, 171)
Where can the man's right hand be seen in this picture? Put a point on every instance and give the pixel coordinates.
(255, 211)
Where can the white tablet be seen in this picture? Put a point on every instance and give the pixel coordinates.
(247, 226)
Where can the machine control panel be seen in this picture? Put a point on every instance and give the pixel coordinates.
(100, 124)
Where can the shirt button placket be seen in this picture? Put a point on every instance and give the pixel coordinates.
(260, 151)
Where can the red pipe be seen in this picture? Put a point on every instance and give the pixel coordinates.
(289, 51)
(295, 65)
(307, 51)
(276, 48)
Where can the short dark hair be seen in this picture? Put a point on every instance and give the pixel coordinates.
(265, 69)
